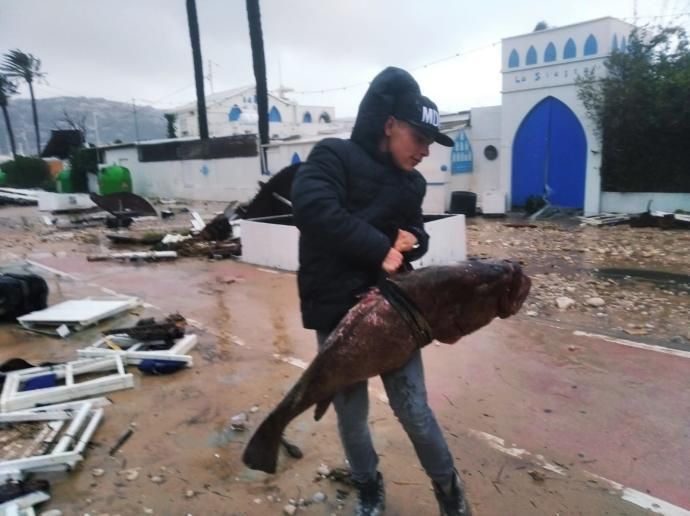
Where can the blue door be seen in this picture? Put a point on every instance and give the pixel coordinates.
(550, 156)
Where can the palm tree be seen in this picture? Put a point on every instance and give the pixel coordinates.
(28, 67)
(257, 42)
(7, 88)
(198, 68)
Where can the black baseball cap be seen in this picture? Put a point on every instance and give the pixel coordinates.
(420, 112)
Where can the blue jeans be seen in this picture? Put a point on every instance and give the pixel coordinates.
(407, 396)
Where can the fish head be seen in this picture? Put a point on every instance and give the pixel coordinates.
(472, 294)
(517, 288)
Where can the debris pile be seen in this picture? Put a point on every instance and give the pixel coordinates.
(617, 279)
(48, 413)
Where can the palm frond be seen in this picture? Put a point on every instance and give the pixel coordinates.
(22, 64)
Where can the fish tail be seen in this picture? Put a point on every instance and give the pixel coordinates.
(261, 452)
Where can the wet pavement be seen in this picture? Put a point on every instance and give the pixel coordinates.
(601, 414)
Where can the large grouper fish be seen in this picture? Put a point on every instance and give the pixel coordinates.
(376, 337)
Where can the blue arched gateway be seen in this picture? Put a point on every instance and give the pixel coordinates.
(550, 156)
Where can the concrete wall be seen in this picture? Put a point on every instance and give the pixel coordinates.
(637, 202)
(229, 179)
(484, 130)
(435, 169)
(447, 243)
(283, 251)
(279, 155)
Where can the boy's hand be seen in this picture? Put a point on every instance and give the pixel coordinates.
(405, 241)
(392, 261)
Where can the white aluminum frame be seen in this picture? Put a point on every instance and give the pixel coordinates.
(23, 505)
(50, 319)
(14, 399)
(67, 452)
(114, 345)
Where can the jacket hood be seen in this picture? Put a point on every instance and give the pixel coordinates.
(378, 104)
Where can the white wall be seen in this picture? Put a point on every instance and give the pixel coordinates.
(436, 170)
(447, 243)
(283, 251)
(227, 179)
(484, 130)
(279, 155)
(637, 202)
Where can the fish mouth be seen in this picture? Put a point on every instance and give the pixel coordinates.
(513, 298)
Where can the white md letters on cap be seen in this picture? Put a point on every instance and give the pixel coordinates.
(430, 116)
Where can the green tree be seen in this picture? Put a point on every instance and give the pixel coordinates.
(198, 68)
(82, 161)
(641, 111)
(26, 172)
(7, 88)
(259, 61)
(171, 118)
(28, 67)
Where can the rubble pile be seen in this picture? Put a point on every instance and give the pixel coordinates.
(573, 267)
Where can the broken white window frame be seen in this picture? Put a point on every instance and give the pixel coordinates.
(53, 412)
(13, 398)
(68, 314)
(23, 505)
(68, 450)
(132, 354)
(197, 222)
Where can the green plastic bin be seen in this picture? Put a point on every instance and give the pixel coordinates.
(64, 181)
(114, 179)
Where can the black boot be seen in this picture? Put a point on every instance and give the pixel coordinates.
(372, 497)
(454, 502)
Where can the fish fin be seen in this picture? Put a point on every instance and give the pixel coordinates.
(321, 408)
(261, 452)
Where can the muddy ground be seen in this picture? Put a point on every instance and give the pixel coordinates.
(580, 262)
(183, 457)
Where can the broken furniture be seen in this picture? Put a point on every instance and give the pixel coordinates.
(605, 219)
(75, 315)
(59, 445)
(133, 351)
(172, 327)
(27, 388)
(131, 239)
(124, 204)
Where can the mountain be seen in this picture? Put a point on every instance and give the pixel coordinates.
(115, 121)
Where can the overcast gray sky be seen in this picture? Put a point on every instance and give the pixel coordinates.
(125, 49)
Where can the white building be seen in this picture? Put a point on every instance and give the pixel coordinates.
(540, 140)
(234, 112)
(548, 142)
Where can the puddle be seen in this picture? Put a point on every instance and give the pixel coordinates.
(670, 280)
(227, 436)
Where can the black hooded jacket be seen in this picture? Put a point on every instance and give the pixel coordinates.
(349, 200)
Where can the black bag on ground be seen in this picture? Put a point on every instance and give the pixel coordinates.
(21, 294)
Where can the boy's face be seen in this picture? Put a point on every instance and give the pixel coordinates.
(407, 145)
